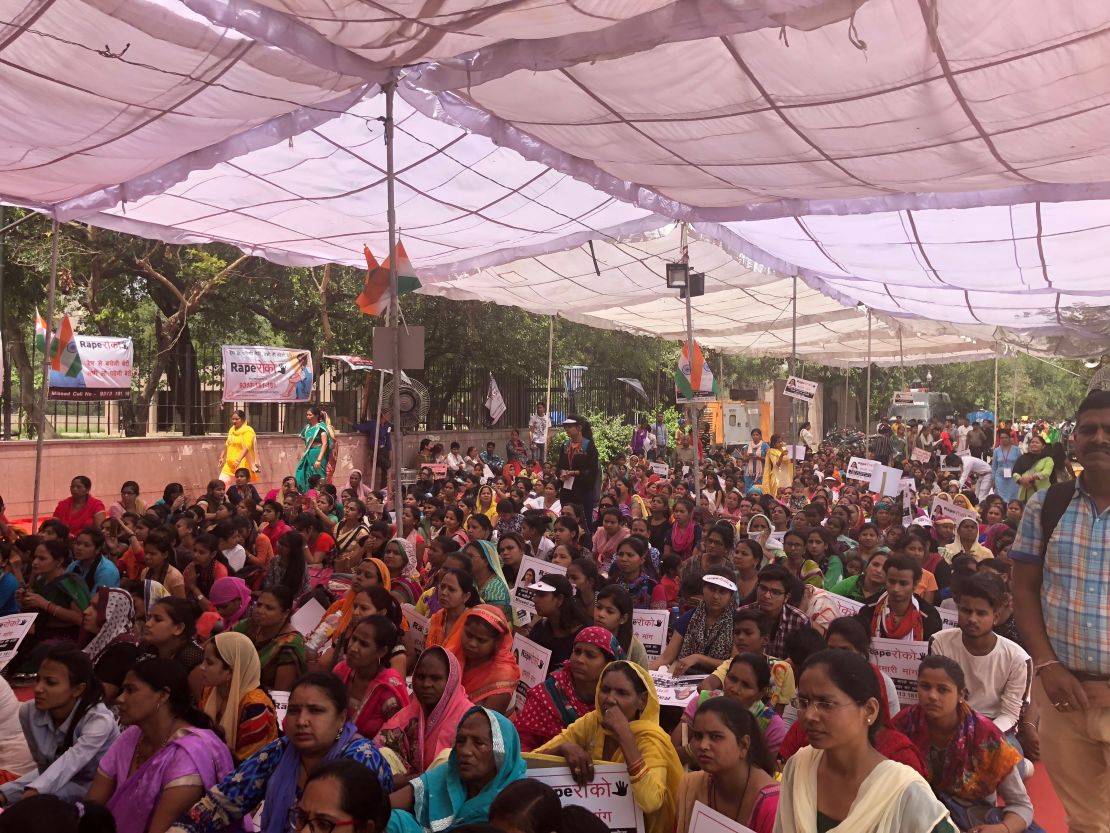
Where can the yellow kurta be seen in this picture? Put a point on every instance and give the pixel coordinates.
(778, 472)
(240, 443)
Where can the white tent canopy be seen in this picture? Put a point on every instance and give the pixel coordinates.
(946, 175)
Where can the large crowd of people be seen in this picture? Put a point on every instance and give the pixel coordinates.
(169, 638)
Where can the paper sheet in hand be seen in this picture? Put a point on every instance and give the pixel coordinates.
(12, 630)
(650, 627)
(662, 469)
(281, 706)
(860, 469)
(900, 659)
(530, 571)
(533, 661)
(797, 452)
(675, 691)
(951, 510)
(920, 455)
(308, 617)
(418, 627)
(707, 820)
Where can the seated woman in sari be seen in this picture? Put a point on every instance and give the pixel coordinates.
(375, 692)
(110, 618)
(485, 564)
(736, 776)
(400, 558)
(166, 757)
(971, 765)
(483, 645)
(624, 728)
(232, 697)
(485, 759)
(568, 693)
(316, 730)
(839, 701)
(338, 618)
(416, 738)
(59, 598)
(280, 647)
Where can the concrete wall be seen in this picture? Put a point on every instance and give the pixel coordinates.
(463, 438)
(152, 462)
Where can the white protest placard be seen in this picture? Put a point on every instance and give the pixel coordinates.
(885, 480)
(662, 469)
(12, 630)
(418, 627)
(439, 470)
(533, 661)
(949, 618)
(530, 571)
(800, 389)
(675, 691)
(900, 659)
(860, 469)
(92, 369)
(281, 706)
(307, 617)
(797, 452)
(907, 483)
(907, 507)
(267, 374)
(951, 510)
(920, 455)
(609, 796)
(903, 397)
(707, 820)
(846, 606)
(650, 627)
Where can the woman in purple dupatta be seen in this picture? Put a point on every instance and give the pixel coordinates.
(147, 786)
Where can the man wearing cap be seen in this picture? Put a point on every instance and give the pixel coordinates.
(1061, 589)
(578, 468)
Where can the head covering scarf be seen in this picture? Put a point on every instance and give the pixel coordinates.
(115, 614)
(977, 759)
(489, 552)
(152, 592)
(362, 491)
(229, 589)
(440, 795)
(499, 674)
(994, 532)
(281, 789)
(603, 639)
(238, 653)
(383, 572)
(654, 744)
(411, 569)
(711, 640)
(418, 737)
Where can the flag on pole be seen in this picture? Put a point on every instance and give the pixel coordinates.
(374, 298)
(64, 357)
(572, 377)
(40, 333)
(494, 401)
(694, 380)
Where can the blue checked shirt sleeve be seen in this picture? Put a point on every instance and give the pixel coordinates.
(1028, 544)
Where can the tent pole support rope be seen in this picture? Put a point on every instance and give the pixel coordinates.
(867, 411)
(45, 370)
(395, 303)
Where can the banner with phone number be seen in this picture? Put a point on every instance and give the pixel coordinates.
(267, 374)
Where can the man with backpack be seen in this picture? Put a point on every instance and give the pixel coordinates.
(1061, 590)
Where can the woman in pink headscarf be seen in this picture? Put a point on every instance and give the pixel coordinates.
(232, 599)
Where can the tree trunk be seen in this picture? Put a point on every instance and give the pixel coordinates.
(29, 395)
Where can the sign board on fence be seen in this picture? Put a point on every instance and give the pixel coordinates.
(530, 571)
(281, 706)
(899, 659)
(903, 397)
(533, 661)
(951, 510)
(846, 606)
(949, 618)
(885, 480)
(675, 691)
(920, 455)
(860, 469)
(800, 389)
(99, 370)
(357, 363)
(418, 627)
(12, 630)
(267, 374)
(650, 627)
(662, 469)
(707, 820)
(609, 796)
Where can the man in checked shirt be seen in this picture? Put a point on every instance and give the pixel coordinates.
(1061, 589)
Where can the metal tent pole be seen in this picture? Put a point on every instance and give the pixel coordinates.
(550, 358)
(867, 412)
(45, 370)
(395, 304)
(794, 360)
(692, 410)
(901, 361)
(6, 382)
(847, 374)
(995, 396)
(377, 428)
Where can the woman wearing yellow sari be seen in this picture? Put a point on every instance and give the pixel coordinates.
(239, 450)
(778, 470)
(624, 728)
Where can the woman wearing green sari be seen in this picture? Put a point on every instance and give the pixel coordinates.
(318, 447)
(59, 598)
(485, 565)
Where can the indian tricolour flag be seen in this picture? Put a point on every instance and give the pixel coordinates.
(374, 298)
(40, 333)
(693, 381)
(64, 356)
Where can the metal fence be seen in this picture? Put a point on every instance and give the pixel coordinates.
(187, 399)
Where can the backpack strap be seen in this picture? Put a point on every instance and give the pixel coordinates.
(1056, 501)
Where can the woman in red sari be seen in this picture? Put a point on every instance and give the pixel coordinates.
(568, 693)
(483, 645)
(375, 692)
(80, 510)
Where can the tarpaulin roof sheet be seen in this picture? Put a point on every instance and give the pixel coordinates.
(938, 162)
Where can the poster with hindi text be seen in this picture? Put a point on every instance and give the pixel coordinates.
(650, 627)
(267, 374)
(608, 796)
(534, 661)
(101, 371)
(899, 659)
(531, 570)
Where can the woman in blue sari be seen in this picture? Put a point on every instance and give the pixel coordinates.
(318, 447)
(485, 759)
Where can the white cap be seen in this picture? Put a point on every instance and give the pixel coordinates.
(720, 581)
(542, 587)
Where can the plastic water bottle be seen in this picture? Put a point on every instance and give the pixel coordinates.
(324, 631)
